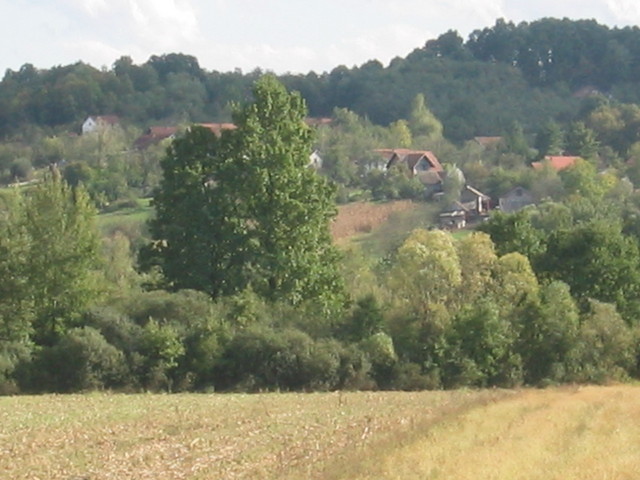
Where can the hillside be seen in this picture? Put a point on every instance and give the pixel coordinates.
(568, 433)
(526, 73)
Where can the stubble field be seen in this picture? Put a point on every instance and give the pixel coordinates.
(565, 433)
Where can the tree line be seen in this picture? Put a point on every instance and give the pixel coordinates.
(241, 288)
(531, 69)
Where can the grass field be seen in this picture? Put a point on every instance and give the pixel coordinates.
(567, 433)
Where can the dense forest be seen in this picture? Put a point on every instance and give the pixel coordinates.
(532, 70)
(234, 283)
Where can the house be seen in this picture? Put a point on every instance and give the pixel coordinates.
(315, 160)
(217, 128)
(154, 135)
(475, 202)
(556, 162)
(454, 217)
(416, 161)
(473, 206)
(99, 122)
(515, 199)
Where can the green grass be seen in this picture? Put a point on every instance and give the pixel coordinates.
(132, 220)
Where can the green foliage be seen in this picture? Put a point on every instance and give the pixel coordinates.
(549, 336)
(12, 356)
(606, 346)
(81, 360)
(246, 210)
(63, 256)
(52, 261)
(366, 319)
(259, 358)
(581, 141)
(597, 261)
(549, 140)
(481, 349)
(514, 233)
(382, 355)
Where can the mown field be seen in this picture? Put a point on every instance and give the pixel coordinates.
(565, 433)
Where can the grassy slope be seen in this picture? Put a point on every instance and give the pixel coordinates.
(568, 433)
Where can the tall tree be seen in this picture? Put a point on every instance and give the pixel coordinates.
(49, 261)
(63, 258)
(246, 211)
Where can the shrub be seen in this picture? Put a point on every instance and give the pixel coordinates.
(81, 360)
(606, 346)
(382, 355)
(12, 355)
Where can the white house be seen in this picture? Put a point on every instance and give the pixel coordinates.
(98, 122)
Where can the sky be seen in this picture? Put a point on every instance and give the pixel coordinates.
(296, 36)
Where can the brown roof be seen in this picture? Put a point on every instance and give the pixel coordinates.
(557, 162)
(217, 128)
(154, 135)
(107, 119)
(162, 132)
(410, 157)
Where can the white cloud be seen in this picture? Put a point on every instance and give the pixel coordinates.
(165, 23)
(100, 53)
(279, 35)
(625, 11)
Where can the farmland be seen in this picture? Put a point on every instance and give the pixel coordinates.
(568, 433)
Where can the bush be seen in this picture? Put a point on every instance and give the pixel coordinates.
(382, 355)
(81, 360)
(288, 359)
(606, 346)
(12, 355)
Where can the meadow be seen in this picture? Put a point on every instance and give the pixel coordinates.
(564, 433)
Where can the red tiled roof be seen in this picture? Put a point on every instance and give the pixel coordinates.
(557, 162)
(217, 128)
(108, 119)
(154, 135)
(162, 132)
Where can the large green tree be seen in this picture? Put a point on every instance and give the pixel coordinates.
(245, 210)
(63, 259)
(49, 260)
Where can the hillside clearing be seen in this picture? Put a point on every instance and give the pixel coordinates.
(362, 217)
(567, 433)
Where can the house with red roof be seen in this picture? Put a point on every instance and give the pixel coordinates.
(557, 162)
(217, 128)
(153, 136)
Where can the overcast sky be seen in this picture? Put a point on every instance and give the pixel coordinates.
(278, 35)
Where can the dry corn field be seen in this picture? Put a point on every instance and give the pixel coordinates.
(363, 217)
(567, 433)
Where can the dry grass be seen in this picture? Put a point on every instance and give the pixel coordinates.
(294, 436)
(569, 433)
(363, 217)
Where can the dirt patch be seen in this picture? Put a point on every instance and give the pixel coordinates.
(363, 217)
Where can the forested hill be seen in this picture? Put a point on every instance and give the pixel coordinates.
(527, 73)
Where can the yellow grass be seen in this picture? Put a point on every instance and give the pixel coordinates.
(568, 433)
